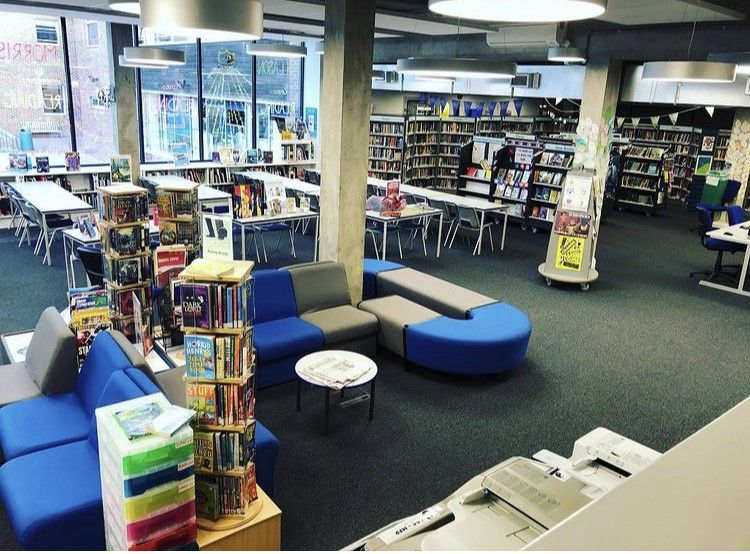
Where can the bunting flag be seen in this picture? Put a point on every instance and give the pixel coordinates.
(620, 122)
(710, 110)
(498, 109)
(467, 108)
(443, 103)
(423, 98)
(673, 118)
(491, 106)
(503, 109)
(655, 120)
(518, 105)
(635, 120)
(446, 112)
(558, 100)
(456, 107)
(479, 112)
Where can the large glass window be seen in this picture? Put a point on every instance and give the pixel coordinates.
(279, 84)
(170, 108)
(33, 91)
(93, 91)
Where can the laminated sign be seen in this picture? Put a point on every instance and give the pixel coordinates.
(569, 255)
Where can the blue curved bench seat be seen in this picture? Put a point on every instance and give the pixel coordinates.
(493, 340)
(370, 279)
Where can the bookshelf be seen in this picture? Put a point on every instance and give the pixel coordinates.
(515, 169)
(219, 175)
(291, 143)
(124, 227)
(547, 183)
(720, 150)
(220, 381)
(540, 125)
(421, 149)
(386, 147)
(455, 133)
(642, 184)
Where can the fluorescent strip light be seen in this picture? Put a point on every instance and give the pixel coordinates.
(566, 55)
(127, 7)
(742, 59)
(151, 55)
(690, 72)
(276, 50)
(209, 20)
(456, 68)
(520, 10)
(125, 63)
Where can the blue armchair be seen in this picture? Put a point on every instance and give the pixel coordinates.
(706, 224)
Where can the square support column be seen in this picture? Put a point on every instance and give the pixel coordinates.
(126, 99)
(738, 153)
(345, 123)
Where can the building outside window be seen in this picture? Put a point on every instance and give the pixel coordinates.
(279, 94)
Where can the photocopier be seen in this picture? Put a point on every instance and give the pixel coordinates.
(513, 503)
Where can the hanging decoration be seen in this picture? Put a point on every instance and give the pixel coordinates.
(491, 108)
(655, 120)
(518, 105)
(710, 110)
(635, 121)
(620, 122)
(456, 107)
(673, 117)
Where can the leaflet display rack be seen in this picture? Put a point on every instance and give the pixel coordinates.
(644, 177)
(386, 147)
(220, 367)
(554, 163)
(124, 228)
(148, 486)
(512, 182)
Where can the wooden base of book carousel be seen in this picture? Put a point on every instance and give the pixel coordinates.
(227, 522)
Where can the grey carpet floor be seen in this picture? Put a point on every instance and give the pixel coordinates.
(646, 352)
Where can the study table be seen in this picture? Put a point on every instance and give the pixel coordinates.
(737, 234)
(49, 198)
(255, 224)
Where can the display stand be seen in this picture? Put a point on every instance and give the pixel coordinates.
(124, 227)
(179, 216)
(572, 244)
(290, 146)
(477, 169)
(549, 173)
(219, 362)
(516, 163)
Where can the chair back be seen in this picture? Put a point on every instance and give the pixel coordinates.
(410, 199)
(30, 213)
(452, 210)
(731, 192)
(705, 222)
(440, 205)
(314, 203)
(468, 217)
(93, 263)
(372, 190)
(736, 215)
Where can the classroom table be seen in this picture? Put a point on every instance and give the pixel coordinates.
(49, 198)
(737, 234)
(410, 213)
(254, 222)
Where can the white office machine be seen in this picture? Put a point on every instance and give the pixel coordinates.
(515, 502)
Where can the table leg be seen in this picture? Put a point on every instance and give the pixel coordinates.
(743, 273)
(46, 240)
(505, 226)
(372, 399)
(328, 408)
(68, 263)
(317, 238)
(299, 394)
(440, 234)
(242, 232)
(385, 240)
(478, 248)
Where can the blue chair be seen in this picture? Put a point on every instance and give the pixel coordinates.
(706, 224)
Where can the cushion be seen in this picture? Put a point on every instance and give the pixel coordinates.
(141, 380)
(172, 382)
(438, 295)
(51, 357)
(394, 313)
(42, 423)
(371, 270)
(266, 451)
(16, 384)
(343, 323)
(274, 340)
(53, 498)
(104, 358)
(135, 358)
(493, 340)
(272, 295)
(319, 286)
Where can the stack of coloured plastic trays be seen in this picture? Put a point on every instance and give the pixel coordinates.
(148, 484)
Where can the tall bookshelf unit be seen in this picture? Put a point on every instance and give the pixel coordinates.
(642, 185)
(720, 150)
(421, 149)
(547, 182)
(455, 133)
(124, 227)
(386, 147)
(218, 334)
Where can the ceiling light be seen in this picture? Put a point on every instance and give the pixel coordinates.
(125, 63)
(742, 59)
(520, 10)
(456, 68)
(209, 20)
(153, 56)
(428, 79)
(276, 50)
(566, 54)
(690, 72)
(127, 7)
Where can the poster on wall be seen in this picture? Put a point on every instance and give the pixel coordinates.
(703, 165)
(120, 168)
(311, 119)
(569, 255)
(217, 237)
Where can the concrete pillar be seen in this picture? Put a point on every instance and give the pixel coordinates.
(738, 153)
(601, 91)
(345, 110)
(125, 95)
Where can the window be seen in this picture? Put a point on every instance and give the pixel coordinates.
(279, 93)
(170, 108)
(46, 34)
(93, 91)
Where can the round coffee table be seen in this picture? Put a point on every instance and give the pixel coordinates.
(355, 370)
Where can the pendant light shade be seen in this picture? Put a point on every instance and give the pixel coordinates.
(276, 50)
(140, 65)
(127, 7)
(520, 10)
(742, 59)
(456, 68)
(152, 56)
(209, 20)
(690, 72)
(566, 55)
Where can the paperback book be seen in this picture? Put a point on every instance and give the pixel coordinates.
(196, 305)
(200, 357)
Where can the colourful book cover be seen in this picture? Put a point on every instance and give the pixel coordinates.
(134, 422)
(196, 306)
(205, 455)
(207, 498)
(202, 399)
(168, 233)
(200, 357)
(169, 263)
(164, 204)
(42, 164)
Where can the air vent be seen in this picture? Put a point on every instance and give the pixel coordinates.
(527, 80)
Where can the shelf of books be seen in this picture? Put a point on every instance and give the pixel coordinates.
(554, 163)
(515, 167)
(720, 150)
(219, 362)
(386, 147)
(221, 175)
(539, 125)
(124, 227)
(455, 133)
(642, 185)
(420, 154)
(179, 218)
(476, 168)
(291, 143)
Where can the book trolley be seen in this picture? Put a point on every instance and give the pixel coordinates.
(148, 487)
(124, 227)
(219, 362)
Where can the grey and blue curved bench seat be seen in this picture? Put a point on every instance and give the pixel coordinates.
(442, 326)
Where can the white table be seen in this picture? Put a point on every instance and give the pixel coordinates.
(737, 234)
(410, 215)
(208, 197)
(363, 368)
(49, 198)
(254, 222)
(71, 238)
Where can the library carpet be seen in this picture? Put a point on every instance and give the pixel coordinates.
(646, 352)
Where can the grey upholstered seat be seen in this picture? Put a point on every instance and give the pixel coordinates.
(395, 314)
(50, 367)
